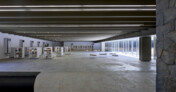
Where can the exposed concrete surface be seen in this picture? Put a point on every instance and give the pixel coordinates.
(80, 72)
(95, 82)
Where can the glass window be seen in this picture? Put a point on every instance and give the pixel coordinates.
(128, 46)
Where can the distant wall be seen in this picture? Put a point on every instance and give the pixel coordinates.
(15, 42)
(56, 43)
(83, 46)
(97, 46)
(78, 43)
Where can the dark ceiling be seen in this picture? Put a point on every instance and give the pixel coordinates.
(76, 20)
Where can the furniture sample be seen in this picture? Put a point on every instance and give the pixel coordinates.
(17, 52)
(35, 52)
(48, 52)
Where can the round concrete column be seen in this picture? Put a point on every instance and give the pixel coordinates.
(145, 48)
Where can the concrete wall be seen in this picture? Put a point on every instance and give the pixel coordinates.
(15, 40)
(166, 45)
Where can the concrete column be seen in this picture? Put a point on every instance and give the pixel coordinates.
(103, 46)
(154, 47)
(128, 46)
(62, 51)
(123, 46)
(118, 43)
(137, 47)
(145, 48)
(166, 45)
(132, 46)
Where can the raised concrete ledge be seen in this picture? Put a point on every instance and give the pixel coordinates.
(17, 81)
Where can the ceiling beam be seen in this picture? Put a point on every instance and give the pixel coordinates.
(72, 30)
(58, 17)
(81, 19)
(104, 13)
(76, 20)
(78, 26)
(77, 2)
(80, 22)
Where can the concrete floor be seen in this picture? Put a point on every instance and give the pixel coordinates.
(81, 72)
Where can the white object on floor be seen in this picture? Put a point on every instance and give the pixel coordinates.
(115, 55)
(103, 53)
(93, 55)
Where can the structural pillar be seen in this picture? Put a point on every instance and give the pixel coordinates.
(103, 46)
(62, 51)
(166, 45)
(145, 48)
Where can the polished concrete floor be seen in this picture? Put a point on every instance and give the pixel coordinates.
(80, 72)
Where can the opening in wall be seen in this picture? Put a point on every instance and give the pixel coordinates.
(38, 44)
(43, 44)
(21, 44)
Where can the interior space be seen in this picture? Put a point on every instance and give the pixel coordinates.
(88, 46)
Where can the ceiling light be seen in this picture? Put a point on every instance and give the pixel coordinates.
(70, 32)
(61, 10)
(47, 35)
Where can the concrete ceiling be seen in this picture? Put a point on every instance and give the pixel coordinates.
(76, 20)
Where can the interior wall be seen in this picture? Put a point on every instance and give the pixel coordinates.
(56, 43)
(166, 45)
(78, 43)
(15, 42)
(96, 46)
